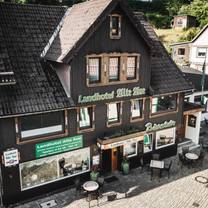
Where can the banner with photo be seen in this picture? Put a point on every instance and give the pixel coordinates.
(42, 171)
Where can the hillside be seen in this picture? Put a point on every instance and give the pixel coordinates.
(169, 36)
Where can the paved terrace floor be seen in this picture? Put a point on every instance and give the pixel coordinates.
(181, 190)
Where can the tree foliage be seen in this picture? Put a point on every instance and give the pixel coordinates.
(199, 9)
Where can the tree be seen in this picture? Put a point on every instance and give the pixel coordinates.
(199, 9)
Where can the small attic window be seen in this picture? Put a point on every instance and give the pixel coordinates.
(115, 26)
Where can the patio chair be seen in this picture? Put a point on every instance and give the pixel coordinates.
(168, 167)
(182, 159)
(155, 156)
(142, 164)
(78, 185)
(201, 158)
(185, 150)
(101, 182)
(205, 144)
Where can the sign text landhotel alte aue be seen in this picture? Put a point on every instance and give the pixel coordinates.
(119, 93)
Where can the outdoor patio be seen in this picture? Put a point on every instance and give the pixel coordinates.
(125, 186)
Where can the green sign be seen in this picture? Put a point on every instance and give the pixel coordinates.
(146, 139)
(57, 146)
(119, 93)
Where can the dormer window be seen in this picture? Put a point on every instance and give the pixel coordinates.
(115, 26)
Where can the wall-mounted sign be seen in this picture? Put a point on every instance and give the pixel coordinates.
(58, 146)
(120, 143)
(96, 160)
(11, 157)
(192, 121)
(167, 124)
(119, 93)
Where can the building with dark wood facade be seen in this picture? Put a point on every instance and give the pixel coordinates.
(89, 85)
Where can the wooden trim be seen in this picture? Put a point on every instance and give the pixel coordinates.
(143, 107)
(32, 140)
(93, 119)
(120, 116)
(121, 138)
(157, 114)
(105, 69)
(116, 37)
(193, 111)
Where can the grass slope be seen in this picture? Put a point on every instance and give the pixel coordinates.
(169, 36)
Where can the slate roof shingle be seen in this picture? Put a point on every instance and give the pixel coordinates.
(165, 75)
(26, 30)
(196, 79)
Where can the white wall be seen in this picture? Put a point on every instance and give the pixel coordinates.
(191, 100)
(200, 42)
(63, 72)
(191, 132)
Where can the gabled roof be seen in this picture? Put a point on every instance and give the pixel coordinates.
(200, 33)
(80, 22)
(25, 30)
(25, 33)
(165, 75)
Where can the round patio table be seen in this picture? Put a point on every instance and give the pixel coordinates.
(91, 187)
(191, 156)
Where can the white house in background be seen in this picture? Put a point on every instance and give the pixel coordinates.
(192, 53)
(184, 21)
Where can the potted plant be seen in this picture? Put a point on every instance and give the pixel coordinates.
(125, 165)
(94, 173)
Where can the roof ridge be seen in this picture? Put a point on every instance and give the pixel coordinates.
(33, 5)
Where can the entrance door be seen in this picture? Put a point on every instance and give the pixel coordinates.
(114, 159)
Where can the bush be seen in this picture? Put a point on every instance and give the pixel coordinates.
(158, 20)
(189, 35)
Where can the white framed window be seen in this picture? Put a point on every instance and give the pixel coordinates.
(86, 117)
(130, 149)
(148, 143)
(201, 52)
(131, 67)
(165, 138)
(180, 22)
(164, 103)
(41, 125)
(136, 109)
(114, 113)
(181, 51)
(94, 70)
(114, 69)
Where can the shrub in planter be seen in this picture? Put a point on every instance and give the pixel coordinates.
(125, 166)
(94, 173)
